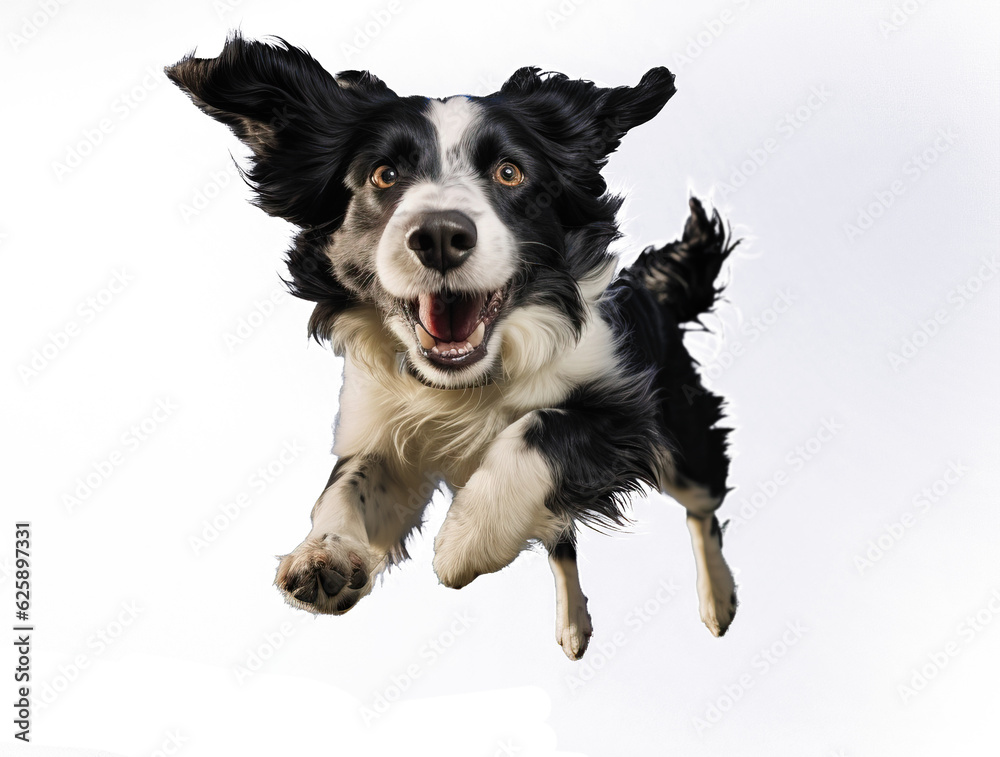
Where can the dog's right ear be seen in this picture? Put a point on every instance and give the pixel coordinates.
(295, 116)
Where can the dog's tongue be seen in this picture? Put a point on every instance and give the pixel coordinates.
(450, 317)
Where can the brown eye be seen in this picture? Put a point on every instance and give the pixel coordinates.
(508, 174)
(384, 177)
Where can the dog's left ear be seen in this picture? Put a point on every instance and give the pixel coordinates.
(296, 117)
(574, 111)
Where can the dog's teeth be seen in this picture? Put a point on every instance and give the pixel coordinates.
(426, 340)
(435, 350)
(476, 337)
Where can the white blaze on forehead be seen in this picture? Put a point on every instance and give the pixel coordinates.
(453, 119)
(457, 186)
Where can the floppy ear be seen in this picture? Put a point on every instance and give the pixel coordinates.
(624, 108)
(576, 118)
(295, 116)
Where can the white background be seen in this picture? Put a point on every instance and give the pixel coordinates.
(870, 93)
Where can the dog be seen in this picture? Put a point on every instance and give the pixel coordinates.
(457, 252)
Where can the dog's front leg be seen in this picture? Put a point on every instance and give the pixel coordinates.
(499, 510)
(359, 524)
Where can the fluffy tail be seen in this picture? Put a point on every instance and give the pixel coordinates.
(681, 275)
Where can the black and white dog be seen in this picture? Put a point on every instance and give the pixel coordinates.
(457, 253)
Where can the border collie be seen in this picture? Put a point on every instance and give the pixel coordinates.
(457, 253)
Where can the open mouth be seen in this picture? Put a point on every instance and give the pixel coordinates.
(452, 328)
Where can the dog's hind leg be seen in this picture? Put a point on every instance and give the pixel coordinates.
(716, 587)
(573, 628)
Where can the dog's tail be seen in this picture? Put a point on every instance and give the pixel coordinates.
(681, 275)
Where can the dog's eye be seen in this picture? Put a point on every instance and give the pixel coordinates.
(508, 174)
(384, 177)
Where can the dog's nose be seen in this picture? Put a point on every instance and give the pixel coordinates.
(443, 240)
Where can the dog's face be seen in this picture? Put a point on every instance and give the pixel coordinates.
(446, 215)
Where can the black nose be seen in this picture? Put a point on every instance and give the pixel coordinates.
(442, 240)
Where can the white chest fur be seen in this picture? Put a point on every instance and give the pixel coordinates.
(386, 412)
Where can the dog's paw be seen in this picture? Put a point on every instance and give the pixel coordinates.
(451, 566)
(573, 628)
(326, 574)
(717, 604)
(462, 553)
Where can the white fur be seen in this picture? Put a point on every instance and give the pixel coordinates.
(384, 409)
(573, 626)
(459, 188)
(358, 521)
(488, 268)
(471, 438)
(500, 509)
(453, 118)
(716, 587)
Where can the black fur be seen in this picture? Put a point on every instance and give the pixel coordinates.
(665, 288)
(313, 134)
(300, 123)
(564, 550)
(681, 275)
(318, 142)
(602, 457)
(603, 444)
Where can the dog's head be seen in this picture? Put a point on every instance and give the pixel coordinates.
(446, 215)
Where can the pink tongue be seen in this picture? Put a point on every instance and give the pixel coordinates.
(450, 319)
(435, 315)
